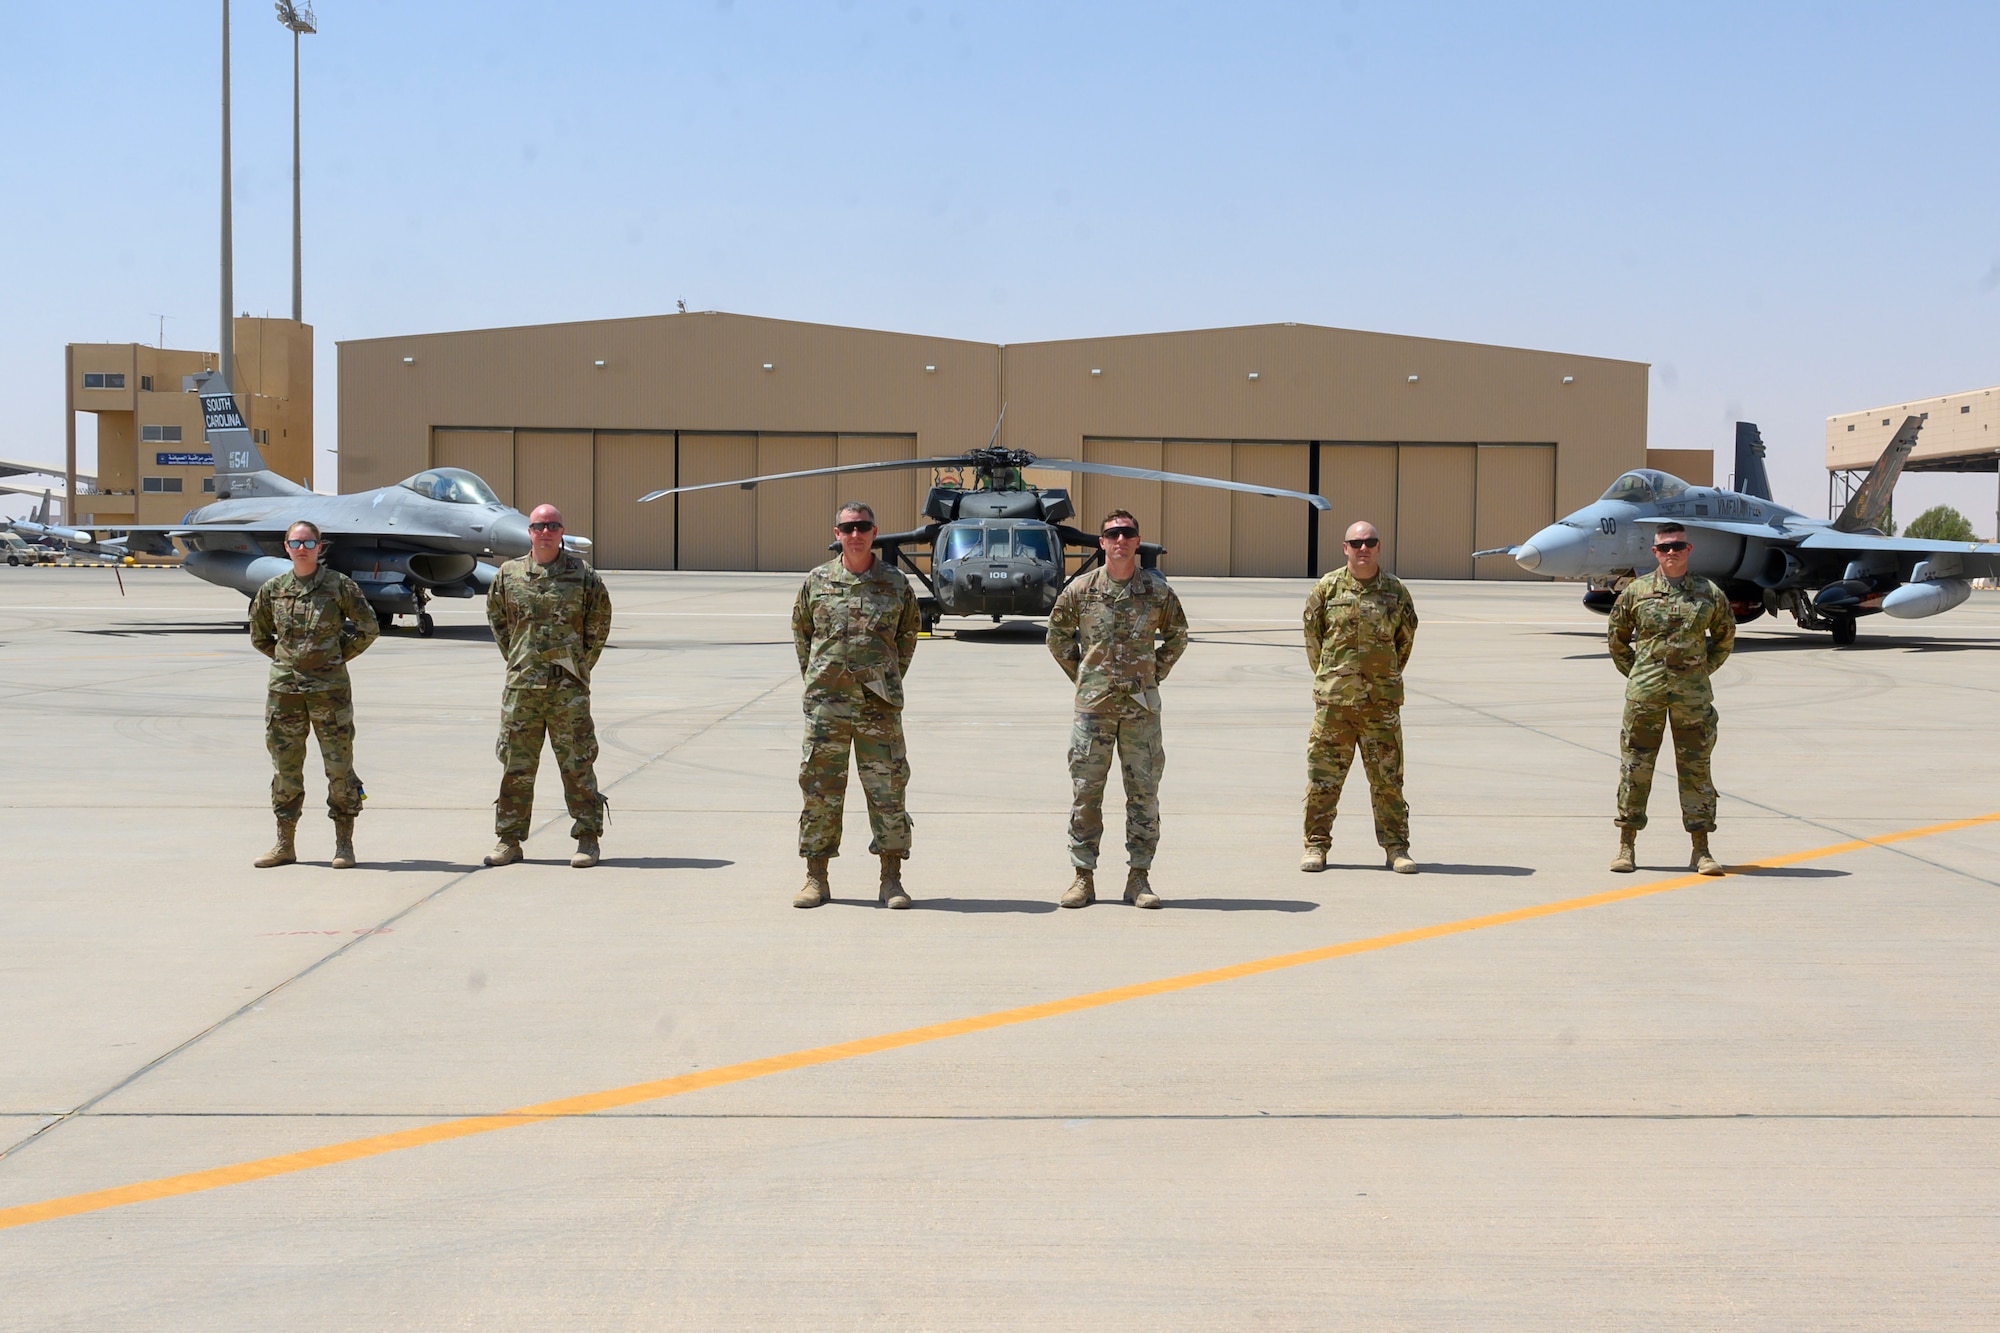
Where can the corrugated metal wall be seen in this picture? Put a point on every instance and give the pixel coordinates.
(1359, 480)
(631, 535)
(1435, 485)
(1516, 498)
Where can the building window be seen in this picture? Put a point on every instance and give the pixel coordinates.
(1965, 408)
(1885, 421)
(146, 383)
(105, 380)
(160, 434)
(160, 485)
(208, 485)
(1850, 428)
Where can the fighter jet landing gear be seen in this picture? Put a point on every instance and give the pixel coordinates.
(1844, 629)
(426, 627)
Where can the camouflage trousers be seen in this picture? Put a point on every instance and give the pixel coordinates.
(1336, 734)
(562, 713)
(1142, 758)
(874, 731)
(1694, 725)
(329, 714)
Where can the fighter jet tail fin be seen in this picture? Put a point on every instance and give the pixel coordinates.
(1751, 478)
(239, 465)
(1869, 508)
(42, 515)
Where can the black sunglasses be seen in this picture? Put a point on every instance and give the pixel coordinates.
(1360, 542)
(301, 543)
(1670, 548)
(854, 527)
(1121, 534)
(545, 527)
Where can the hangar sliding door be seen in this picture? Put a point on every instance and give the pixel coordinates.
(1517, 498)
(554, 467)
(1267, 537)
(1359, 481)
(718, 528)
(896, 496)
(1434, 511)
(487, 453)
(1195, 520)
(631, 535)
(794, 518)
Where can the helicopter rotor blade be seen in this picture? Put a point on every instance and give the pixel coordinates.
(749, 483)
(994, 438)
(1185, 479)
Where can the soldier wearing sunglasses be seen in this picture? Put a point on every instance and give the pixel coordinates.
(1116, 632)
(1670, 630)
(551, 617)
(855, 626)
(311, 622)
(1360, 625)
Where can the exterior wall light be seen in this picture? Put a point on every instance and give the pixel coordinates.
(930, 370)
(1569, 379)
(769, 366)
(1413, 379)
(409, 360)
(1095, 371)
(1253, 374)
(598, 364)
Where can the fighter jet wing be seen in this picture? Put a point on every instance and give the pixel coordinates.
(276, 527)
(1977, 560)
(1761, 530)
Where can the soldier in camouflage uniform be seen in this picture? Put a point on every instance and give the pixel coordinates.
(300, 621)
(1102, 633)
(1360, 625)
(1670, 630)
(855, 627)
(551, 617)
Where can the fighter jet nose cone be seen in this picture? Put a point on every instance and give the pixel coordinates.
(509, 534)
(1555, 552)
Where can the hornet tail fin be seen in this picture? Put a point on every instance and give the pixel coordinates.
(1870, 505)
(1751, 479)
(239, 465)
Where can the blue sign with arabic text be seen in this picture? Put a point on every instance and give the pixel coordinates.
(184, 460)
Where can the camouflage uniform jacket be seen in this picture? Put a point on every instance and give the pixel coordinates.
(1102, 634)
(1358, 639)
(551, 621)
(1664, 636)
(855, 632)
(299, 624)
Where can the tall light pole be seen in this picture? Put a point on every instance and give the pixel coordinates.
(228, 246)
(299, 18)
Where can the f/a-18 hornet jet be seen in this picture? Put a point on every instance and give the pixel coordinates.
(434, 535)
(1765, 557)
(997, 547)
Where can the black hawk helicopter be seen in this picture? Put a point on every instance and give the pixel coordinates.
(997, 547)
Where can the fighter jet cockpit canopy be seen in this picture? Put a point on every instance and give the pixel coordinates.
(1646, 486)
(452, 485)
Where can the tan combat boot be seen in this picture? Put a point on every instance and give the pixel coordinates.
(505, 852)
(1627, 859)
(1313, 861)
(1138, 890)
(893, 896)
(1082, 890)
(1400, 862)
(1699, 860)
(285, 850)
(343, 844)
(586, 853)
(816, 890)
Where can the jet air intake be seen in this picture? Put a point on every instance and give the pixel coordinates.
(432, 569)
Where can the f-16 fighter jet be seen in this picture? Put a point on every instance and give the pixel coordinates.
(1765, 557)
(438, 534)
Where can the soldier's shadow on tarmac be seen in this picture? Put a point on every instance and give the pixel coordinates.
(662, 862)
(157, 630)
(1007, 631)
(969, 905)
(459, 633)
(1238, 905)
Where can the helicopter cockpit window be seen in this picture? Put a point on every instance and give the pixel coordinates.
(996, 543)
(1033, 543)
(962, 542)
(453, 486)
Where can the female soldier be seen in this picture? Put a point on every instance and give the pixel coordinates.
(300, 621)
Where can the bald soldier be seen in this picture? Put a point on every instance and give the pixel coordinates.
(1360, 625)
(551, 617)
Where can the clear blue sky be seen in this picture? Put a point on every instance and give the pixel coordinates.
(1790, 210)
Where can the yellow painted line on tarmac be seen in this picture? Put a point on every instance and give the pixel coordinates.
(354, 1150)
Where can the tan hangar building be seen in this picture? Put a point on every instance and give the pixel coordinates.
(1447, 447)
(153, 465)
(1961, 434)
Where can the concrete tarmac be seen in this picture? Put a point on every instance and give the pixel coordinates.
(1768, 1101)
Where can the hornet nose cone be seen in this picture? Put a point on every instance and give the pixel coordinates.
(1555, 552)
(509, 534)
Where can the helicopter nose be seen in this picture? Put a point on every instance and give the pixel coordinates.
(1554, 552)
(509, 533)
